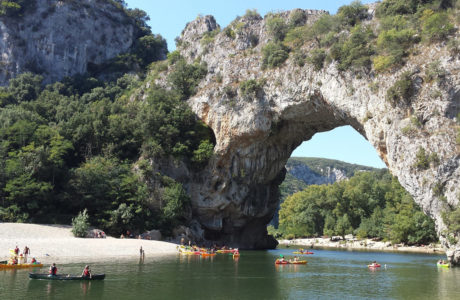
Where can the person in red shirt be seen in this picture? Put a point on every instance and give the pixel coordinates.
(53, 269)
(86, 272)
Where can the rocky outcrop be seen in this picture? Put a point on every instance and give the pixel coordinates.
(60, 38)
(255, 135)
(326, 173)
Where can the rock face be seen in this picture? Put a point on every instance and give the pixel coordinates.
(332, 171)
(60, 38)
(256, 135)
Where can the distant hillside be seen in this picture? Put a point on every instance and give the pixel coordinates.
(305, 171)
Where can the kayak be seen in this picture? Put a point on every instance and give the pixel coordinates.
(225, 251)
(207, 254)
(374, 266)
(305, 252)
(187, 252)
(443, 265)
(65, 277)
(286, 262)
(20, 266)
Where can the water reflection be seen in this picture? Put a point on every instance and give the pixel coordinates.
(328, 274)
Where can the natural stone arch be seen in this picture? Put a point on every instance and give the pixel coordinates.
(256, 134)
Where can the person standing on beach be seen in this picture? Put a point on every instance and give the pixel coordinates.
(26, 252)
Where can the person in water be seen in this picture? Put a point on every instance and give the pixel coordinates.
(53, 270)
(86, 272)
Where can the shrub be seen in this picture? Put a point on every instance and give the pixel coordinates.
(297, 18)
(229, 32)
(299, 58)
(80, 224)
(276, 27)
(401, 91)
(186, 77)
(392, 45)
(295, 37)
(251, 88)
(352, 14)
(274, 54)
(252, 14)
(422, 160)
(435, 26)
(356, 51)
(316, 58)
(203, 153)
(434, 71)
(174, 57)
(396, 7)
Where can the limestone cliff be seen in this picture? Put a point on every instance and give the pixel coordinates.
(59, 38)
(322, 171)
(256, 134)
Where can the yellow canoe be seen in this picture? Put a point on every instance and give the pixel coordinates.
(20, 266)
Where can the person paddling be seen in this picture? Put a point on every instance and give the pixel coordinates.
(53, 270)
(86, 272)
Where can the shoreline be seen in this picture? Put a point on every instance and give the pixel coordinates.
(366, 244)
(56, 243)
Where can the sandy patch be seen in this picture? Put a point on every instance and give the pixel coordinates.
(55, 243)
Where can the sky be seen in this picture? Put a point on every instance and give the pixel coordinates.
(169, 18)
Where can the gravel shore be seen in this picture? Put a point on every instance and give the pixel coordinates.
(366, 244)
(56, 243)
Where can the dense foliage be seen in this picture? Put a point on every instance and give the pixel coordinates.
(355, 45)
(370, 204)
(83, 144)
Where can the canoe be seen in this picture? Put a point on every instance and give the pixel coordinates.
(207, 254)
(305, 252)
(20, 266)
(443, 265)
(286, 262)
(65, 277)
(374, 266)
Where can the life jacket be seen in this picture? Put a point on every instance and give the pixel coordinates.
(53, 271)
(86, 272)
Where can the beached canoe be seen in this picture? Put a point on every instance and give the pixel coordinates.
(443, 265)
(65, 277)
(374, 266)
(305, 252)
(207, 254)
(20, 266)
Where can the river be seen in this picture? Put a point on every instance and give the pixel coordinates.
(329, 274)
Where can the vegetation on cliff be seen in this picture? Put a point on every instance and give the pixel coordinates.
(370, 205)
(89, 147)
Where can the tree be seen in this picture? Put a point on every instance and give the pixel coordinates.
(80, 224)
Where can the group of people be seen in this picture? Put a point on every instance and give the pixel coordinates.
(86, 271)
(442, 262)
(21, 258)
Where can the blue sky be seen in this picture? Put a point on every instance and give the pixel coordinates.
(168, 18)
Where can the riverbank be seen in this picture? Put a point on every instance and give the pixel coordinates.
(56, 243)
(354, 244)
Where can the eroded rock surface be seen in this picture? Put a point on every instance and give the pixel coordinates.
(257, 134)
(60, 38)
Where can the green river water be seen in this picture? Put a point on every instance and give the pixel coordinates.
(329, 274)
